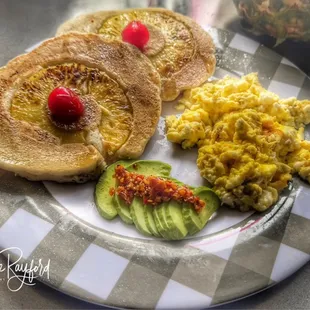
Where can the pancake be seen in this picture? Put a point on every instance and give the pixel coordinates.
(180, 50)
(120, 90)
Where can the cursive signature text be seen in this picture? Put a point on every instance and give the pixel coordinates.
(25, 272)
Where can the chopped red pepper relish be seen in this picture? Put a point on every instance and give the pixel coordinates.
(153, 190)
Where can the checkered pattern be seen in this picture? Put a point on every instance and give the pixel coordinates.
(109, 269)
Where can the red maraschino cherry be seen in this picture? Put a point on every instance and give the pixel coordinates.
(136, 34)
(65, 105)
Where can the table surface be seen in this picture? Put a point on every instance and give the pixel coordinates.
(24, 23)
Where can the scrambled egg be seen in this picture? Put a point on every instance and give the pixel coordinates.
(299, 160)
(250, 141)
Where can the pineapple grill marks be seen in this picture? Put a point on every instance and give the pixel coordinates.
(179, 45)
(106, 105)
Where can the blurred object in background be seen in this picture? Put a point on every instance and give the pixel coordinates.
(180, 6)
(281, 19)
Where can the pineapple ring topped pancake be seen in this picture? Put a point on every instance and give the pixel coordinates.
(180, 50)
(120, 90)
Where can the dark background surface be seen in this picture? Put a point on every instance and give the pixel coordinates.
(24, 23)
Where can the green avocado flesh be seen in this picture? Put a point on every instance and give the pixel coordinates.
(123, 210)
(160, 222)
(137, 214)
(212, 203)
(110, 207)
(147, 168)
(194, 221)
(150, 221)
(191, 219)
(150, 167)
(174, 218)
(103, 199)
(169, 220)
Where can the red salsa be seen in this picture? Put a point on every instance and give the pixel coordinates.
(153, 190)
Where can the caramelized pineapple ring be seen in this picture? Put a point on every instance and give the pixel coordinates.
(93, 86)
(179, 43)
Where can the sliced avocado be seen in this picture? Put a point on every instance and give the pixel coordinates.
(162, 215)
(174, 218)
(149, 220)
(160, 221)
(191, 219)
(123, 209)
(137, 215)
(196, 221)
(150, 167)
(170, 220)
(212, 203)
(103, 199)
(147, 168)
